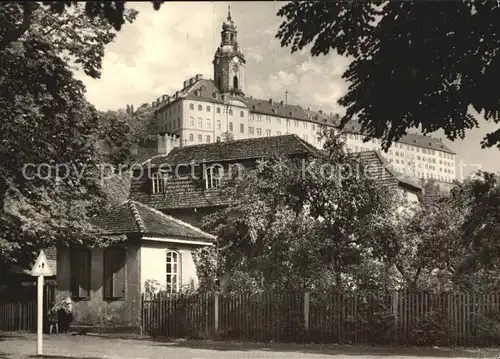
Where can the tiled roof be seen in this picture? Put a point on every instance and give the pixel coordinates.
(206, 90)
(251, 148)
(133, 217)
(116, 187)
(383, 170)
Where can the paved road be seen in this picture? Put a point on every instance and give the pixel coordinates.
(21, 346)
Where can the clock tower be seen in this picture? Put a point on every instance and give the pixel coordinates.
(229, 61)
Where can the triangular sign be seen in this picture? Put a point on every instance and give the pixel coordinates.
(41, 266)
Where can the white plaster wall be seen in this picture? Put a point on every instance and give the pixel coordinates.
(153, 264)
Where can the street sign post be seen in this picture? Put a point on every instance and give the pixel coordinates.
(40, 269)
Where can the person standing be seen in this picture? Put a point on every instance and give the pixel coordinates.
(54, 318)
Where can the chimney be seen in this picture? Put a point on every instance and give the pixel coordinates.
(186, 84)
(165, 98)
(270, 101)
(199, 77)
(281, 102)
(176, 94)
(191, 81)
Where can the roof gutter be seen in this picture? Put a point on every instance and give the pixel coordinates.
(180, 241)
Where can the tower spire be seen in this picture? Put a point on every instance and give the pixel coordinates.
(229, 12)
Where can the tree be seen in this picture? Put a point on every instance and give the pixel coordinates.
(227, 136)
(128, 137)
(415, 64)
(479, 200)
(17, 20)
(297, 225)
(423, 244)
(48, 126)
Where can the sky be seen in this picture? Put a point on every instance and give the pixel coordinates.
(161, 49)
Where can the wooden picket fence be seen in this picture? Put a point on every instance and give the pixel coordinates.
(18, 307)
(447, 319)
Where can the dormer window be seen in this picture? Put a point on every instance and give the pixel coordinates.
(159, 181)
(213, 175)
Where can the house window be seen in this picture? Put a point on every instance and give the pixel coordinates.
(268, 132)
(158, 182)
(115, 259)
(259, 132)
(200, 108)
(230, 126)
(235, 79)
(191, 106)
(278, 133)
(208, 139)
(191, 121)
(208, 108)
(242, 128)
(241, 114)
(213, 176)
(173, 266)
(231, 111)
(278, 120)
(200, 123)
(250, 131)
(218, 109)
(208, 123)
(218, 139)
(191, 137)
(80, 273)
(218, 124)
(200, 138)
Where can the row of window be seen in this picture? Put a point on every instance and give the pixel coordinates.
(423, 158)
(404, 146)
(199, 138)
(160, 180)
(425, 175)
(254, 117)
(217, 109)
(296, 123)
(114, 264)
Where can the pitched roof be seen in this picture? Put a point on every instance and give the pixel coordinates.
(133, 217)
(205, 90)
(251, 148)
(116, 187)
(384, 171)
(51, 255)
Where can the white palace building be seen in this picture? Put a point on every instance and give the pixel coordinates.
(211, 110)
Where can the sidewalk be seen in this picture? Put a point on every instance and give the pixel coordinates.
(22, 346)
